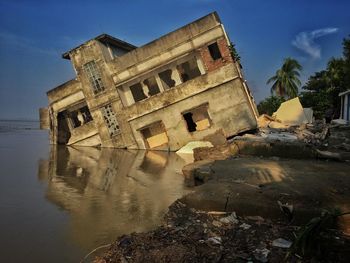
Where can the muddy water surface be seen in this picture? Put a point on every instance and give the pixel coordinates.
(58, 203)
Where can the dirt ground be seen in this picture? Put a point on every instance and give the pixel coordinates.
(253, 186)
(190, 235)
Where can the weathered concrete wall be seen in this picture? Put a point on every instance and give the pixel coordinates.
(44, 118)
(94, 51)
(190, 33)
(67, 101)
(80, 135)
(189, 88)
(64, 90)
(228, 110)
(211, 64)
(130, 65)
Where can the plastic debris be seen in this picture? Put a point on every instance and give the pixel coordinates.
(230, 219)
(245, 226)
(215, 240)
(261, 254)
(217, 223)
(280, 242)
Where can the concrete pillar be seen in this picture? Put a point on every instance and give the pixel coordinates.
(128, 96)
(176, 76)
(159, 83)
(200, 66)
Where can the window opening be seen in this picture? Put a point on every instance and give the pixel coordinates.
(94, 76)
(155, 135)
(80, 117)
(189, 70)
(152, 85)
(197, 119)
(214, 51)
(137, 92)
(63, 132)
(110, 119)
(166, 79)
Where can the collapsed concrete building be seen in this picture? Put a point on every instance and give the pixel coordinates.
(181, 87)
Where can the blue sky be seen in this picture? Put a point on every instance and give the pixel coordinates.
(34, 34)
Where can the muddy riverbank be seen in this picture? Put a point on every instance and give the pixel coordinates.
(253, 188)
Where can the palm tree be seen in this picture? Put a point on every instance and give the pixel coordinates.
(286, 81)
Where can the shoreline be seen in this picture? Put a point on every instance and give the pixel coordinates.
(191, 233)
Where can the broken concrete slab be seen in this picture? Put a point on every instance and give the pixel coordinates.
(188, 148)
(291, 112)
(187, 151)
(264, 120)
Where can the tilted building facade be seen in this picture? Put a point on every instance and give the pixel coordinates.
(181, 87)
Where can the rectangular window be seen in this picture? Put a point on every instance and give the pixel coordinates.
(137, 92)
(80, 116)
(166, 79)
(152, 86)
(94, 76)
(197, 119)
(189, 70)
(110, 120)
(155, 135)
(214, 51)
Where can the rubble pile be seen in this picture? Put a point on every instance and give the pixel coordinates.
(314, 133)
(189, 235)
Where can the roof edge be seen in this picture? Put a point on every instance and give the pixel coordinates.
(344, 93)
(104, 38)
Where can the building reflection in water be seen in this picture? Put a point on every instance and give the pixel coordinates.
(109, 192)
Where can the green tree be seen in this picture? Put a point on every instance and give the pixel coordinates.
(270, 105)
(322, 89)
(286, 80)
(234, 53)
(346, 56)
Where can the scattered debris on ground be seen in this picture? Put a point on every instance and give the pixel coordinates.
(189, 235)
(305, 141)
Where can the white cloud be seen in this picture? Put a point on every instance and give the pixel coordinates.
(305, 41)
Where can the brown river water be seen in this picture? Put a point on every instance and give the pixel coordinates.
(59, 203)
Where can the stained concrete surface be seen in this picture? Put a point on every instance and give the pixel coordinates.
(252, 186)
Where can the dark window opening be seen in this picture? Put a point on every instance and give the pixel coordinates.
(63, 132)
(188, 70)
(191, 125)
(137, 92)
(166, 79)
(197, 119)
(80, 117)
(155, 135)
(214, 51)
(152, 85)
